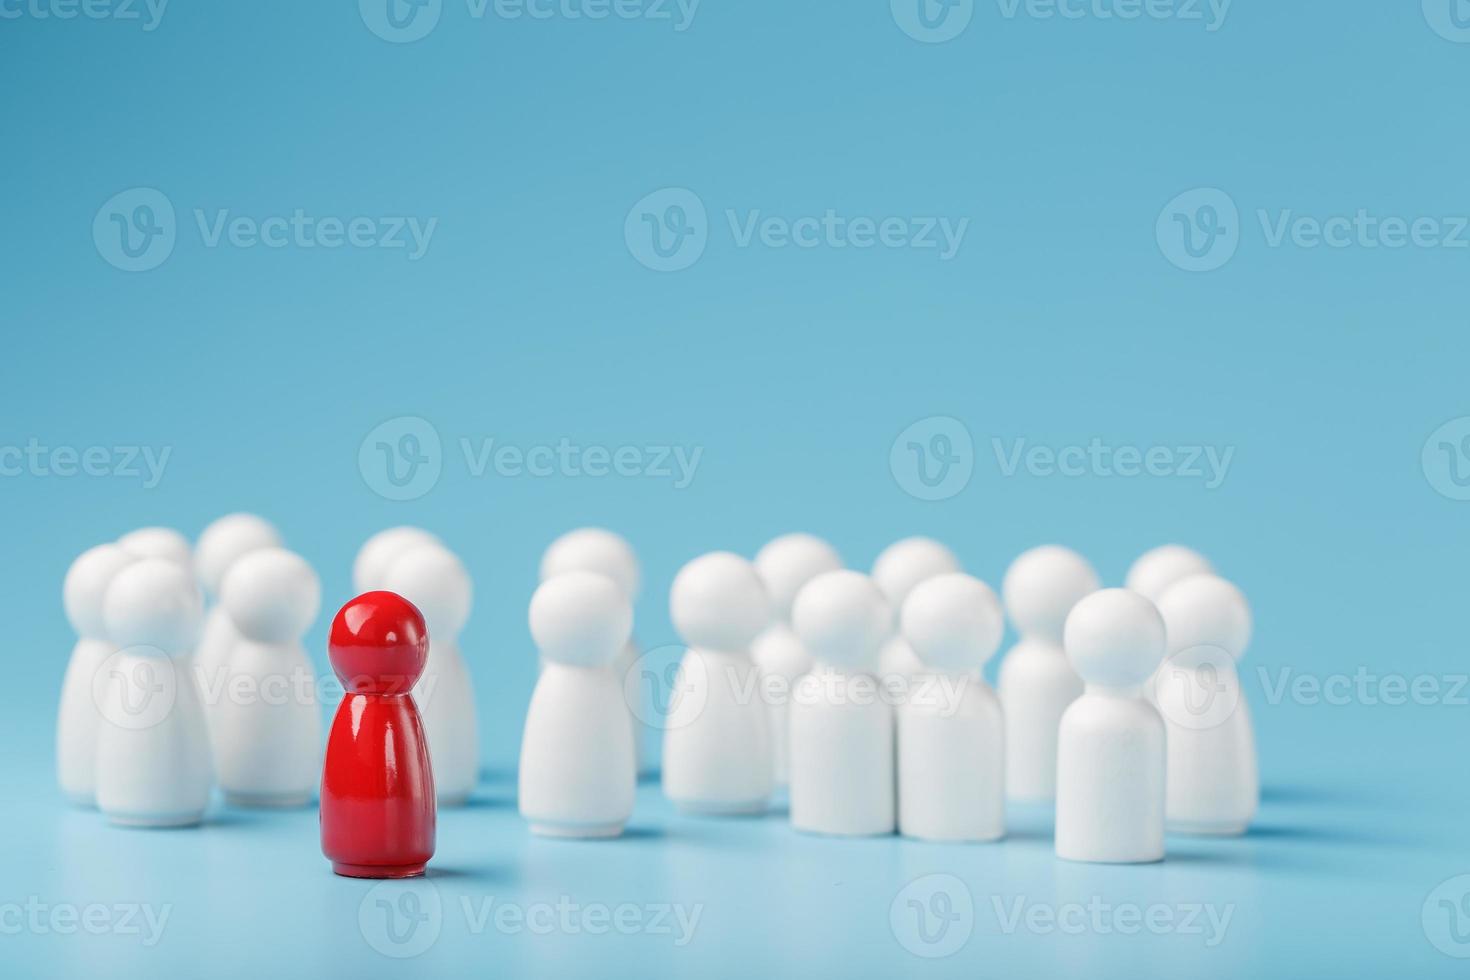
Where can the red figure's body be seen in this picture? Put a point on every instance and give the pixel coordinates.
(378, 804)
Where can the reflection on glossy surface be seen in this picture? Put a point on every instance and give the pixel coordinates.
(378, 808)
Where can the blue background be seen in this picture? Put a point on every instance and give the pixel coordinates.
(530, 320)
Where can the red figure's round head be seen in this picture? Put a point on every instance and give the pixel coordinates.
(378, 644)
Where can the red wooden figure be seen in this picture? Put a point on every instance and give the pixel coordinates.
(378, 805)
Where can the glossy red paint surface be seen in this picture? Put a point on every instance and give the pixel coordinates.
(378, 806)
(378, 644)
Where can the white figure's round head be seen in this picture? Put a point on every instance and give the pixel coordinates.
(1115, 638)
(433, 578)
(904, 564)
(378, 552)
(718, 603)
(86, 584)
(787, 563)
(1206, 611)
(581, 619)
(843, 619)
(953, 622)
(157, 542)
(1157, 569)
(272, 595)
(226, 540)
(154, 602)
(1041, 587)
(594, 549)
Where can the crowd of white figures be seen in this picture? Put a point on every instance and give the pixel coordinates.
(863, 694)
(163, 699)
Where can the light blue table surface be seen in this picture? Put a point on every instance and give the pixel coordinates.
(1332, 880)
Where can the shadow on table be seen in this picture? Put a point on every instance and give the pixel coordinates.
(498, 774)
(1309, 795)
(498, 875)
(1337, 836)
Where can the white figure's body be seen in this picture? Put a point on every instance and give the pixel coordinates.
(624, 664)
(1036, 682)
(1036, 685)
(897, 661)
(1214, 785)
(433, 579)
(901, 566)
(216, 638)
(718, 760)
(781, 660)
(1154, 571)
(842, 732)
(266, 726)
(786, 564)
(1111, 754)
(158, 542)
(77, 717)
(595, 549)
(578, 768)
(153, 760)
(223, 543)
(378, 552)
(951, 734)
